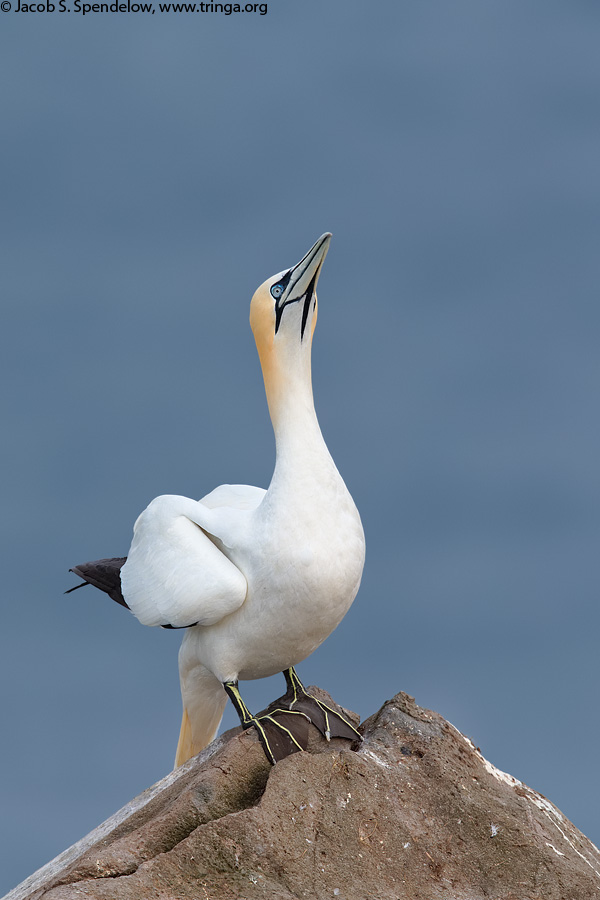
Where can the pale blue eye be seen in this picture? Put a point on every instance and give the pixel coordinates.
(277, 291)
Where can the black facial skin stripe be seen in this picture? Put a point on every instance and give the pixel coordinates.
(308, 296)
(307, 302)
(279, 308)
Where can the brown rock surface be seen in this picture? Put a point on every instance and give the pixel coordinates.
(415, 813)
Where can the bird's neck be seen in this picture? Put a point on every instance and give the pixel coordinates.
(298, 438)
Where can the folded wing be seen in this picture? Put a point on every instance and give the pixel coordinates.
(174, 573)
(235, 496)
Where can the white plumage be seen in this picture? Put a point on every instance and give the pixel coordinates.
(261, 577)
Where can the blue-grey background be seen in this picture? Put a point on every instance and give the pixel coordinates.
(155, 169)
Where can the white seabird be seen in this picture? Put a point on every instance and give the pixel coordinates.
(258, 578)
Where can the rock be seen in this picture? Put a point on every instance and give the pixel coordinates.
(414, 813)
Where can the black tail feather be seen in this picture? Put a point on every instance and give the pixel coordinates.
(82, 584)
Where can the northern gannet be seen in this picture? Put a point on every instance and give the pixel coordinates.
(257, 578)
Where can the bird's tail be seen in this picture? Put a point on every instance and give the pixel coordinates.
(204, 701)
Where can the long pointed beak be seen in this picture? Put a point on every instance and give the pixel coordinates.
(305, 274)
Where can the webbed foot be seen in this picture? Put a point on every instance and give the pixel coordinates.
(281, 731)
(328, 721)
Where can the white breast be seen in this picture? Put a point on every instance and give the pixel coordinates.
(303, 560)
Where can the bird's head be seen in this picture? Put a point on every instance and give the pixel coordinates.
(283, 311)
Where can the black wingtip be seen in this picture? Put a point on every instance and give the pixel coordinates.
(104, 574)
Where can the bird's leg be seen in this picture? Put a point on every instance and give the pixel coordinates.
(280, 731)
(329, 722)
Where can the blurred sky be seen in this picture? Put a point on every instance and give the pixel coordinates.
(155, 170)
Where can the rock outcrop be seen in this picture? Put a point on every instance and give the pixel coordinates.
(413, 813)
